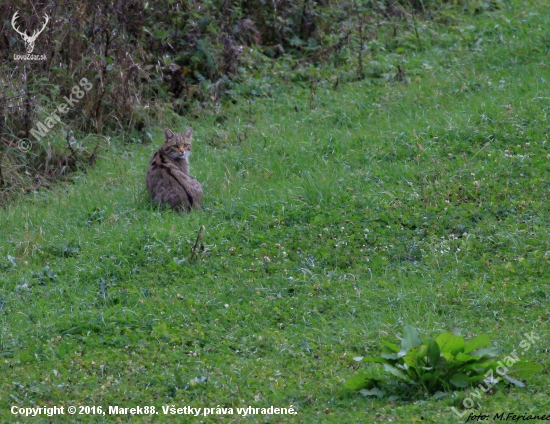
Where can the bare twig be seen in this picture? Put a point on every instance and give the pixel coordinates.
(312, 94)
(360, 71)
(102, 289)
(198, 246)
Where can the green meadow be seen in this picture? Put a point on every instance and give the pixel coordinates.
(334, 215)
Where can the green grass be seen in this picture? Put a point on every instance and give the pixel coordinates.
(326, 231)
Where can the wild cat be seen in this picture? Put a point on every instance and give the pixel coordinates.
(168, 180)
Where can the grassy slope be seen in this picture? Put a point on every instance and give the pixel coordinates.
(326, 231)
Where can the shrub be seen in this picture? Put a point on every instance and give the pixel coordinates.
(445, 363)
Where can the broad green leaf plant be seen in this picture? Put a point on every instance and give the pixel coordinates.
(439, 365)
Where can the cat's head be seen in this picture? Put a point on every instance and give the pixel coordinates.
(177, 146)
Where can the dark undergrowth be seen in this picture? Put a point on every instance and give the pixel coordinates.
(145, 63)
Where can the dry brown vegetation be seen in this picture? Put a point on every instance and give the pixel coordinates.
(151, 61)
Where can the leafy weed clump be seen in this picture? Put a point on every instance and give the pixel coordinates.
(439, 365)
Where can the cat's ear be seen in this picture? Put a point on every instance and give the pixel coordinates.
(168, 134)
(188, 132)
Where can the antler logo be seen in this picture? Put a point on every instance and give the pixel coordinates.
(29, 41)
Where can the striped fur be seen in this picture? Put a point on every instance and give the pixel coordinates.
(168, 180)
